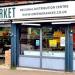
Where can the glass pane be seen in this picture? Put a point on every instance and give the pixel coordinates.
(30, 41)
(5, 39)
(73, 29)
(5, 43)
(53, 41)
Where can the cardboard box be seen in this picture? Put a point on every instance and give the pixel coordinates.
(8, 57)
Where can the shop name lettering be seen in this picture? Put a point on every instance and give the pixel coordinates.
(7, 12)
(49, 8)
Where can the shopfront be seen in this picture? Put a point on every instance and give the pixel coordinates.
(43, 46)
(42, 35)
(5, 42)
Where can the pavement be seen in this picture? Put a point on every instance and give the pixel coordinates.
(33, 72)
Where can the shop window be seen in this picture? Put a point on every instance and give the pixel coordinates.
(30, 41)
(73, 29)
(5, 39)
(53, 41)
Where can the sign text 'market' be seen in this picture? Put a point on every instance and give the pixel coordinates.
(7, 12)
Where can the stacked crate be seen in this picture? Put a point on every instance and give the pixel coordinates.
(8, 58)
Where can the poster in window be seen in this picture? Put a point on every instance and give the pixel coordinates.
(52, 43)
(62, 41)
(37, 42)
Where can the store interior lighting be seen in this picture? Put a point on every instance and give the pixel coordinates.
(31, 24)
(63, 22)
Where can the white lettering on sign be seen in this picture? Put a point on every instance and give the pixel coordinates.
(58, 9)
(45, 8)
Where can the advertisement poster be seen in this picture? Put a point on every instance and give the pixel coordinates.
(37, 42)
(52, 43)
(62, 41)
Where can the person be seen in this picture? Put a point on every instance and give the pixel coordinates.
(1, 47)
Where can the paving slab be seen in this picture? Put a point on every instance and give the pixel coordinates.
(33, 72)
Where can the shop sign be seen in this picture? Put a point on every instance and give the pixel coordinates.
(62, 41)
(7, 12)
(57, 9)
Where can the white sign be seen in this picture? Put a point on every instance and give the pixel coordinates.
(58, 9)
(62, 41)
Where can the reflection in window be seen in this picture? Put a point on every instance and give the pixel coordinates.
(30, 41)
(73, 29)
(53, 40)
(5, 39)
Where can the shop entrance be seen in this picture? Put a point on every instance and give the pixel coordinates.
(43, 46)
(5, 42)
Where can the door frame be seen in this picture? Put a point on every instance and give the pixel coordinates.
(68, 51)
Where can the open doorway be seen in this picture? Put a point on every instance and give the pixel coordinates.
(5, 42)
